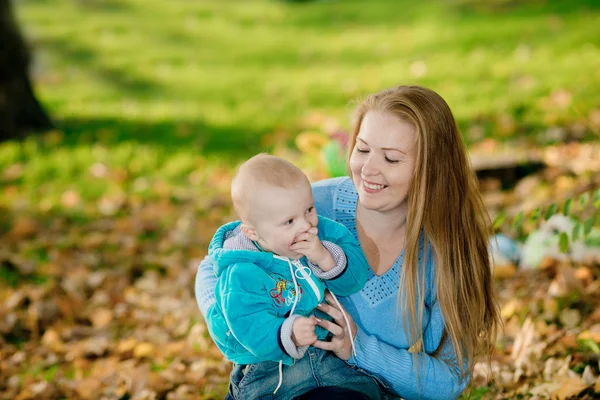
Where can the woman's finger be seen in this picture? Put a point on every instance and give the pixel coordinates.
(330, 346)
(332, 311)
(331, 327)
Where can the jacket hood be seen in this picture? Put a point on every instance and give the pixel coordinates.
(229, 245)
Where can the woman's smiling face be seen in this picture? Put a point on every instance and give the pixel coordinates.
(383, 160)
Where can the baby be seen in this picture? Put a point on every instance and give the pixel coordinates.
(272, 270)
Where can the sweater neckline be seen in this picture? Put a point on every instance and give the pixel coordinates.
(345, 200)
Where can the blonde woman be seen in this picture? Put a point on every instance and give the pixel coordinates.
(412, 202)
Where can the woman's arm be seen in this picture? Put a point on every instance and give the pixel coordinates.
(206, 282)
(435, 379)
(395, 366)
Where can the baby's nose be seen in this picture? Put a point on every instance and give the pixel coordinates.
(306, 226)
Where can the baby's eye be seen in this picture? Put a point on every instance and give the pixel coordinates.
(289, 221)
(310, 209)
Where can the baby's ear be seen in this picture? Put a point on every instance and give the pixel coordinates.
(250, 232)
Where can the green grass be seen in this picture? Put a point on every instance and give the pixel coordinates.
(160, 89)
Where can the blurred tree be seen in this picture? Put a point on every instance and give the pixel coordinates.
(20, 111)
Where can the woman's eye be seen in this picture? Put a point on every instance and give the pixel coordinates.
(362, 150)
(389, 160)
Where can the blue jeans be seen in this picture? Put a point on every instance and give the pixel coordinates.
(318, 368)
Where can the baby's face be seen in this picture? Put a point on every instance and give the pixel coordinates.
(281, 215)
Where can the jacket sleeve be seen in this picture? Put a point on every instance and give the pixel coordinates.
(248, 310)
(353, 278)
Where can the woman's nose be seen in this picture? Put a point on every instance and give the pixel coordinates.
(370, 167)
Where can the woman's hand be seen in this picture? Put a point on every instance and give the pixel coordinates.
(340, 342)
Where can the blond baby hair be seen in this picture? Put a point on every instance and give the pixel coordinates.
(258, 172)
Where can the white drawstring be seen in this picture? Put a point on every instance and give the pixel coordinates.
(347, 322)
(291, 313)
(280, 376)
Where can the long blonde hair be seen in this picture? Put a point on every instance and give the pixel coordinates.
(445, 204)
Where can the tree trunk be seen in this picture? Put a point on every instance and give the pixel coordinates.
(20, 111)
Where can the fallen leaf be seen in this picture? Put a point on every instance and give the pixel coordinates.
(569, 388)
(13, 172)
(509, 309)
(52, 340)
(143, 350)
(570, 318)
(590, 334)
(23, 227)
(70, 199)
(588, 376)
(569, 341)
(127, 345)
(101, 317)
(88, 388)
(504, 271)
(545, 389)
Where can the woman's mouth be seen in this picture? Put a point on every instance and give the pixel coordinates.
(373, 187)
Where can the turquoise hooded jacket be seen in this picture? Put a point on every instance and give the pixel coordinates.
(250, 320)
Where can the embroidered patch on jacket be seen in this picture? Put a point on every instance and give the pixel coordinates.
(283, 293)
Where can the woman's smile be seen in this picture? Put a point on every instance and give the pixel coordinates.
(373, 187)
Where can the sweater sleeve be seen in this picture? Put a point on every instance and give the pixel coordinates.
(323, 194)
(205, 285)
(436, 380)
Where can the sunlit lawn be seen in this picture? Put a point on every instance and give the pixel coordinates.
(159, 89)
(155, 101)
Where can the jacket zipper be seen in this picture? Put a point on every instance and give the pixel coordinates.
(308, 278)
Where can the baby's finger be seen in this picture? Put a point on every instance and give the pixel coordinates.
(302, 237)
(308, 323)
(300, 247)
(313, 231)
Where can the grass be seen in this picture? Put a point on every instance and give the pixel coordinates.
(157, 90)
(155, 100)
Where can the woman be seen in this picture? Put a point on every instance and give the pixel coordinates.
(412, 201)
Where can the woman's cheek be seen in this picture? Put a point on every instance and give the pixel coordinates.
(355, 166)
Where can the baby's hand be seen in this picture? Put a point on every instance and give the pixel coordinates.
(309, 245)
(303, 331)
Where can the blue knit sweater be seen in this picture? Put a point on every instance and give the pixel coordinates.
(381, 343)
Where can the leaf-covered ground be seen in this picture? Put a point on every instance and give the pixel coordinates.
(97, 300)
(103, 221)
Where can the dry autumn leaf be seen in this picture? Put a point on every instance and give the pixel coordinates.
(569, 388)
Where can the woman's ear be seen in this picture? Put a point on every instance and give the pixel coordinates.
(250, 232)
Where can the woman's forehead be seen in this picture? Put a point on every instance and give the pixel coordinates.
(387, 131)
